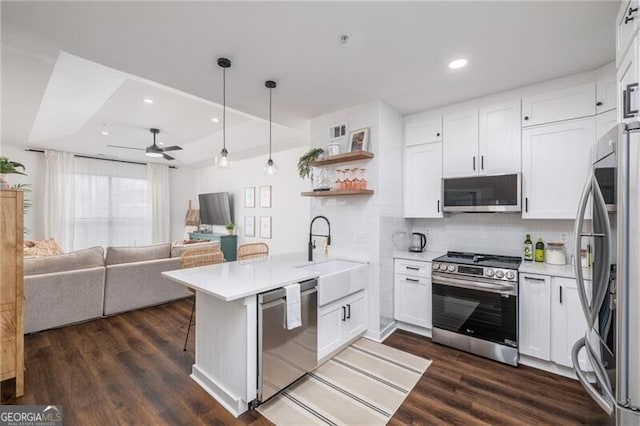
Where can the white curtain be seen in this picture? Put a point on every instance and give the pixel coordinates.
(59, 198)
(158, 202)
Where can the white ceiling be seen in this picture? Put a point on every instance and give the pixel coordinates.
(398, 52)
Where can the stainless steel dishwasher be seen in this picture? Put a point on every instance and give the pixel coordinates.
(285, 355)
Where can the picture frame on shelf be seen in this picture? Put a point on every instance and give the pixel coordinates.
(250, 197)
(359, 140)
(265, 227)
(265, 196)
(249, 226)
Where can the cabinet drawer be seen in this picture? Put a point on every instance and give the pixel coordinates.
(413, 268)
(627, 26)
(564, 104)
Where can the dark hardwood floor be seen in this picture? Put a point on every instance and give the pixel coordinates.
(130, 369)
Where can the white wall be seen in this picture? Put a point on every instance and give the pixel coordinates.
(289, 211)
(182, 183)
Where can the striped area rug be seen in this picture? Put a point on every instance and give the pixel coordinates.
(364, 384)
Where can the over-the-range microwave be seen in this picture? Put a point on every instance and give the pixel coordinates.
(482, 194)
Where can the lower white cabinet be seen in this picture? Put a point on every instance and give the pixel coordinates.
(550, 319)
(341, 321)
(412, 292)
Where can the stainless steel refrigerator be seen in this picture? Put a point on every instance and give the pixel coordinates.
(611, 304)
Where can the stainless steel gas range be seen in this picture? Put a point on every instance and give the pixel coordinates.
(475, 304)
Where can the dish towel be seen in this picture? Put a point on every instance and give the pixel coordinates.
(294, 316)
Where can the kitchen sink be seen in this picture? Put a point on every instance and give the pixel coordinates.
(338, 278)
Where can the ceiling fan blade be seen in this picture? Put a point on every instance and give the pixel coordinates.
(126, 147)
(171, 148)
(168, 157)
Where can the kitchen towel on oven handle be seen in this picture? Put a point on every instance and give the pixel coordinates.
(293, 317)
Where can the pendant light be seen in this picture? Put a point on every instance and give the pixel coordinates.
(270, 167)
(223, 160)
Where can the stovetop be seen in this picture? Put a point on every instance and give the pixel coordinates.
(487, 260)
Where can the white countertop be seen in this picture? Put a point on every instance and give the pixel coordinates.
(541, 268)
(234, 280)
(425, 256)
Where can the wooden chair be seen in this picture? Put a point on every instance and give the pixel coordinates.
(198, 257)
(252, 251)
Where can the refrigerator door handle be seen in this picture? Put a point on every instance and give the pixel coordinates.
(582, 208)
(606, 401)
(602, 268)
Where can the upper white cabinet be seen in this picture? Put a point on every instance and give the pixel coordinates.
(460, 144)
(606, 93)
(423, 180)
(555, 162)
(604, 122)
(534, 318)
(627, 85)
(500, 138)
(426, 131)
(558, 105)
(627, 27)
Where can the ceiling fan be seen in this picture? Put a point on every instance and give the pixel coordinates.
(153, 150)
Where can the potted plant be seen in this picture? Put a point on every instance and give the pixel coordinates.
(304, 164)
(230, 227)
(8, 167)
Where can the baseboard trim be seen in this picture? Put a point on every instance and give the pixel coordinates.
(426, 332)
(233, 404)
(548, 366)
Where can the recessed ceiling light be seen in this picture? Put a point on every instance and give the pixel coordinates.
(105, 133)
(215, 119)
(457, 63)
(148, 101)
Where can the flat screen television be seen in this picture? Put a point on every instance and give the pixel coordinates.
(216, 208)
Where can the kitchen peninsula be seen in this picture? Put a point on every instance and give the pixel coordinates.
(227, 315)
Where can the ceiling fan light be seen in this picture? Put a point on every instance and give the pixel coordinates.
(153, 154)
(270, 168)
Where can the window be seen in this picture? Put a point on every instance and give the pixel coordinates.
(110, 210)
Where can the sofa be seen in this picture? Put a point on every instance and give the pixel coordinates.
(87, 284)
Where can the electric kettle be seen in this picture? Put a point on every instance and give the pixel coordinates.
(418, 242)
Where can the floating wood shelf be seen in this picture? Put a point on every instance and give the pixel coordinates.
(337, 193)
(343, 158)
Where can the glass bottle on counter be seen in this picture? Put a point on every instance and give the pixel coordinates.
(528, 248)
(539, 251)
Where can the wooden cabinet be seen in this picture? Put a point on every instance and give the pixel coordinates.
(569, 324)
(627, 85)
(11, 288)
(534, 332)
(412, 292)
(460, 144)
(423, 180)
(340, 322)
(555, 163)
(420, 132)
(500, 139)
(627, 26)
(558, 105)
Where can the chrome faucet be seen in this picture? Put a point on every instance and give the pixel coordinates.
(312, 244)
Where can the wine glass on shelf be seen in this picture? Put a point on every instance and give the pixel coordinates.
(363, 180)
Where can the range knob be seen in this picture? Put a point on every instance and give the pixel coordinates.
(435, 266)
(510, 275)
(499, 273)
(451, 268)
(443, 267)
(489, 272)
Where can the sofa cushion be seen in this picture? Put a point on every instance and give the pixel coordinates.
(80, 259)
(42, 248)
(178, 248)
(116, 255)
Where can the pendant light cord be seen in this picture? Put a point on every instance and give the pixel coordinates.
(224, 108)
(270, 91)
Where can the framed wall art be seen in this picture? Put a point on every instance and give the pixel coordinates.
(249, 226)
(265, 226)
(359, 140)
(250, 197)
(265, 196)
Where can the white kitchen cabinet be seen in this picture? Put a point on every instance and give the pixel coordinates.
(500, 138)
(558, 105)
(627, 85)
(604, 122)
(555, 163)
(421, 132)
(627, 26)
(423, 180)
(534, 299)
(341, 321)
(412, 292)
(606, 93)
(569, 324)
(460, 144)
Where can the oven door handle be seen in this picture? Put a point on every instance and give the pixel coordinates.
(472, 285)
